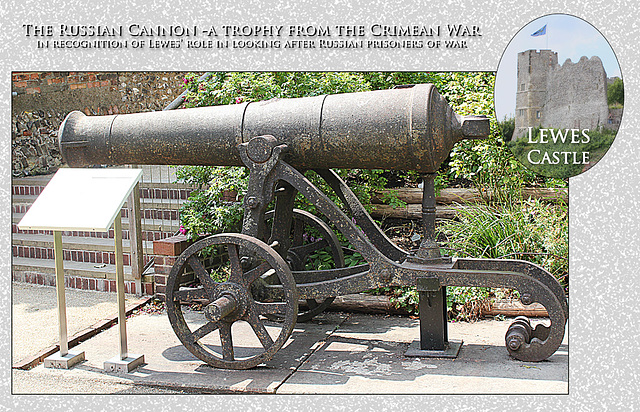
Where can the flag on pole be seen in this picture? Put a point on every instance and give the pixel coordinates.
(540, 32)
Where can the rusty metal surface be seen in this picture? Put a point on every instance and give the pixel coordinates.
(410, 128)
(232, 301)
(533, 283)
(300, 246)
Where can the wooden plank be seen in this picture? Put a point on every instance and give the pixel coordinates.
(413, 195)
(364, 303)
(516, 308)
(411, 211)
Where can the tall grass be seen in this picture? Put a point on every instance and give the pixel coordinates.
(530, 230)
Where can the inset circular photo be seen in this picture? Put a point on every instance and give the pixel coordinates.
(559, 95)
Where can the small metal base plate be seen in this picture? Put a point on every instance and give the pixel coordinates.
(56, 361)
(126, 365)
(451, 351)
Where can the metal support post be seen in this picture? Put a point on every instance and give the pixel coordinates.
(429, 250)
(125, 362)
(434, 341)
(62, 359)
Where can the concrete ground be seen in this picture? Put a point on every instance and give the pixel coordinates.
(335, 353)
(35, 315)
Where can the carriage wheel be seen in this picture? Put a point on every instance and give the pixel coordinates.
(233, 333)
(303, 245)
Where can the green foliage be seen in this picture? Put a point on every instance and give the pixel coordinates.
(195, 176)
(615, 93)
(390, 197)
(238, 87)
(532, 231)
(507, 127)
(486, 162)
(467, 304)
(205, 212)
(353, 259)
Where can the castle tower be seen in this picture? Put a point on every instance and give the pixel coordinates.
(534, 68)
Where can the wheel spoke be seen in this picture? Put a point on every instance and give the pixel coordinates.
(259, 329)
(234, 261)
(226, 341)
(204, 330)
(255, 273)
(211, 280)
(275, 308)
(188, 294)
(202, 273)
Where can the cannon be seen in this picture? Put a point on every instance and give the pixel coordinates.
(255, 279)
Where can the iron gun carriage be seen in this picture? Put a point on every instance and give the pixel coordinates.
(258, 277)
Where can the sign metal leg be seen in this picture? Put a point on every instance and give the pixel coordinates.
(125, 362)
(63, 359)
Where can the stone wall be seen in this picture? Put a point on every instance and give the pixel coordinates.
(577, 95)
(41, 100)
(571, 95)
(533, 77)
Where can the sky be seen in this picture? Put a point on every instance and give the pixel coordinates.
(569, 36)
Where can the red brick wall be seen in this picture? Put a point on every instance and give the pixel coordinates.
(48, 82)
(166, 252)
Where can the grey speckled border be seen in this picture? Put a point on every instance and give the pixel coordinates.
(604, 217)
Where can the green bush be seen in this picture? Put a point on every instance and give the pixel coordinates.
(615, 92)
(468, 93)
(531, 230)
(507, 127)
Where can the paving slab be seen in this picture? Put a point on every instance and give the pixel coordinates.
(366, 355)
(169, 364)
(334, 353)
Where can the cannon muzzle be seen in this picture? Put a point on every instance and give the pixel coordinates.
(406, 128)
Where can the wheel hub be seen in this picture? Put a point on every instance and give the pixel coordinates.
(230, 303)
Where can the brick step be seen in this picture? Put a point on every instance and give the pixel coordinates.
(77, 275)
(149, 202)
(76, 249)
(149, 235)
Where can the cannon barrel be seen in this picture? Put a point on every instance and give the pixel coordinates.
(406, 128)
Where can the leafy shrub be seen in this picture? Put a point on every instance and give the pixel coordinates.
(615, 92)
(507, 127)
